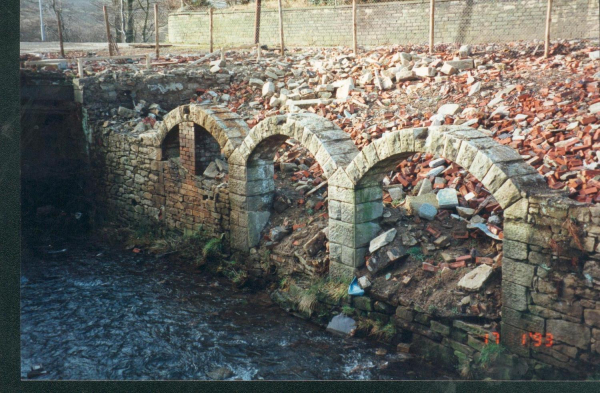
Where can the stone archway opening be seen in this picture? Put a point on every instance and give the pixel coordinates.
(252, 183)
(431, 234)
(171, 144)
(293, 210)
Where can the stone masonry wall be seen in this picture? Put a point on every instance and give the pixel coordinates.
(472, 21)
(551, 247)
(133, 184)
(551, 282)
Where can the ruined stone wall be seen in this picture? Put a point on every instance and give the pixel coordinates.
(134, 184)
(551, 281)
(394, 23)
(111, 90)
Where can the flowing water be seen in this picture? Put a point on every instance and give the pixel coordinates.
(94, 313)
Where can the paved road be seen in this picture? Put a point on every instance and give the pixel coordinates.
(100, 48)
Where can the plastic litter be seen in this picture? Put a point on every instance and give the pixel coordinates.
(354, 289)
(483, 228)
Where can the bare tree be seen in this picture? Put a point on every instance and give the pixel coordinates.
(56, 6)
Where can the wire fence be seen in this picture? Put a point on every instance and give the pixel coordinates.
(318, 23)
(371, 23)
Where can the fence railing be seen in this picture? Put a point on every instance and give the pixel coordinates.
(356, 23)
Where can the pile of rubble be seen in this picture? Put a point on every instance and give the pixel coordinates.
(547, 109)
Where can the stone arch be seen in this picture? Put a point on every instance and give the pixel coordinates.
(226, 127)
(251, 183)
(355, 196)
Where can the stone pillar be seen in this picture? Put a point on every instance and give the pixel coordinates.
(187, 150)
(538, 291)
(353, 222)
(251, 196)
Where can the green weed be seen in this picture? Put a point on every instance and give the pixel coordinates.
(416, 253)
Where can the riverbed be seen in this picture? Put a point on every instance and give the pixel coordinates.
(89, 312)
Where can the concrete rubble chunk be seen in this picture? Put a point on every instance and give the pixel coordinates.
(307, 103)
(408, 240)
(595, 55)
(464, 51)
(396, 193)
(595, 108)
(125, 112)
(413, 203)
(465, 64)
(219, 63)
(222, 165)
(364, 282)
(475, 88)
(256, 82)
(211, 171)
(426, 187)
(405, 75)
(425, 72)
(447, 198)
(279, 232)
(427, 211)
(474, 280)
(382, 240)
(448, 69)
(437, 162)
(448, 109)
(465, 212)
(436, 171)
(268, 89)
(315, 244)
(344, 89)
(341, 324)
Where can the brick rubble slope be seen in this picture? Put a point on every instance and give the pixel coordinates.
(547, 109)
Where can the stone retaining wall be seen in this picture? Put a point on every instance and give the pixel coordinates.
(405, 22)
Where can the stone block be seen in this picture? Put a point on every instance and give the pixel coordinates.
(511, 337)
(339, 270)
(515, 250)
(523, 320)
(447, 198)
(404, 313)
(569, 333)
(592, 317)
(354, 257)
(256, 223)
(362, 303)
(516, 295)
(427, 211)
(567, 309)
(440, 328)
(519, 273)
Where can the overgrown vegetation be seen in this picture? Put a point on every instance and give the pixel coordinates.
(383, 332)
(347, 310)
(416, 253)
(489, 354)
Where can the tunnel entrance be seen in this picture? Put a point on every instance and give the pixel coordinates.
(54, 160)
